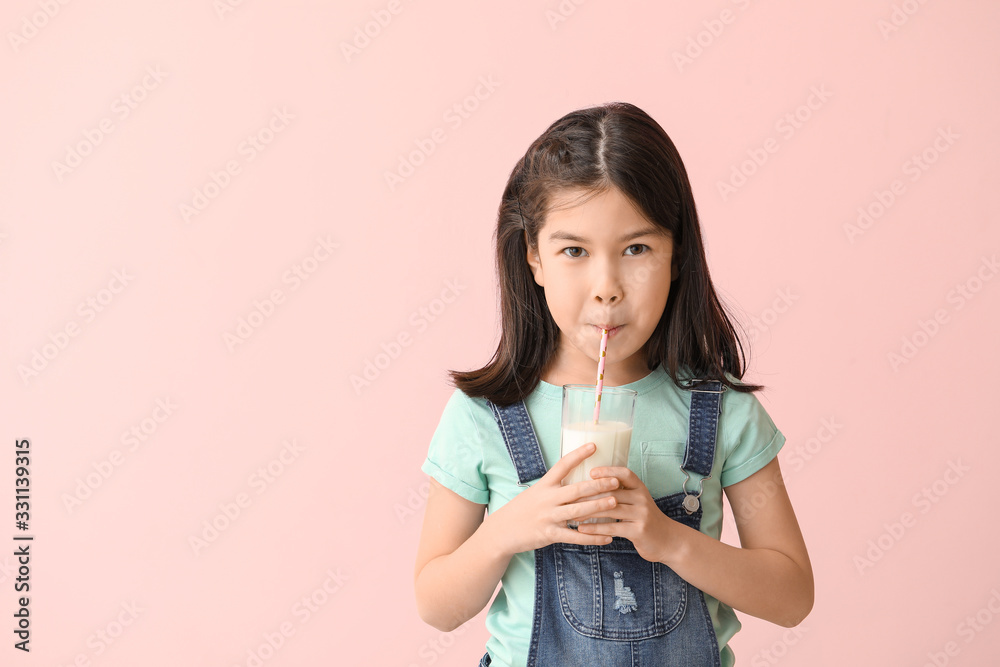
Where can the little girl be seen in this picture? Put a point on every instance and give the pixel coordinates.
(597, 230)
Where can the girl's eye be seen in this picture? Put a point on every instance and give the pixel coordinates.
(640, 246)
(574, 251)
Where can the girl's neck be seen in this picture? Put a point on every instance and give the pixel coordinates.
(626, 372)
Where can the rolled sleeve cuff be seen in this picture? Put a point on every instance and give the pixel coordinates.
(744, 470)
(462, 488)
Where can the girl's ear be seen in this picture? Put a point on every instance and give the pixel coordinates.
(534, 262)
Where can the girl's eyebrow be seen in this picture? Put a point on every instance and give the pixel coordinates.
(560, 235)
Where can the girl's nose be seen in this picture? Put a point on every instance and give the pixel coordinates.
(607, 283)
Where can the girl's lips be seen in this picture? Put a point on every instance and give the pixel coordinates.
(611, 332)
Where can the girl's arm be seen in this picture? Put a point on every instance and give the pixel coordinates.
(458, 565)
(770, 577)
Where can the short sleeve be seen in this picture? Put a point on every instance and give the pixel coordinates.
(455, 455)
(756, 440)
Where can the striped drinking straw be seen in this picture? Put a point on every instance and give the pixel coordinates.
(600, 375)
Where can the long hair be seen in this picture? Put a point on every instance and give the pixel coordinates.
(613, 145)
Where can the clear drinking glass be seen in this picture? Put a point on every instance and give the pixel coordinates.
(612, 434)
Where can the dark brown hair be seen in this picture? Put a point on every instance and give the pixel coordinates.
(613, 145)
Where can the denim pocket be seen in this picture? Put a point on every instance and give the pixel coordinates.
(661, 466)
(611, 592)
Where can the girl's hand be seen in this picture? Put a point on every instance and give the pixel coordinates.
(537, 516)
(641, 521)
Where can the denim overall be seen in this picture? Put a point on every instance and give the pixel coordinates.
(605, 604)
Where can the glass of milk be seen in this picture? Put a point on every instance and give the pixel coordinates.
(612, 434)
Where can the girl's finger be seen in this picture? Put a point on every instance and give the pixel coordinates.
(594, 508)
(573, 458)
(623, 475)
(576, 511)
(574, 492)
(576, 537)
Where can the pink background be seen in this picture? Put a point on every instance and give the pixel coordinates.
(898, 574)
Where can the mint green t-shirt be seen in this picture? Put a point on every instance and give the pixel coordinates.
(467, 454)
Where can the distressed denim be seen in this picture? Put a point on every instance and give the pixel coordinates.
(605, 604)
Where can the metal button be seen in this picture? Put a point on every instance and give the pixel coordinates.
(691, 504)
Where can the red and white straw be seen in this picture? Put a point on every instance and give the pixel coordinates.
(600, 375)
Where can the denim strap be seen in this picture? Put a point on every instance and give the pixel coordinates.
(519, 436)
(703, 421)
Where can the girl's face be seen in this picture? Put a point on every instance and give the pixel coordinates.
(602, 264)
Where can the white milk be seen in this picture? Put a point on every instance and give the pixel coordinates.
(612, 440)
